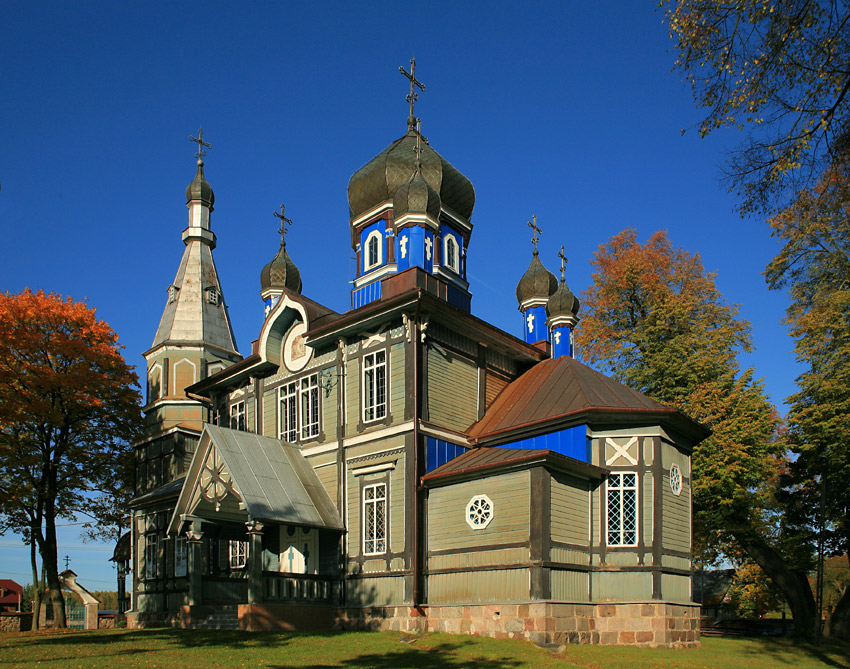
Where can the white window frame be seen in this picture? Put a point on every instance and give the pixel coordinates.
(151, 556)
(310, 412)
(237, 553)
(238, 416)
(450, 241)
(616, 490)
(368, 262)
(181, 556)
(287, 408)
(479, 512)
(375, 389)
(375, 538)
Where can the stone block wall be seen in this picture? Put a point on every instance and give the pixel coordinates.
(651, 624)
(15, 622)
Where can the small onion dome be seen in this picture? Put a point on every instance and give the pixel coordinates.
(537, 282)
(378, 180)
(562, 303)
(416, 197)
(199, 189)
(280, 273)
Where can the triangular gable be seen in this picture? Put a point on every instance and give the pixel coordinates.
(266, 479)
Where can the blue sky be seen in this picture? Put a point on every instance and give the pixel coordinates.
(568, 111)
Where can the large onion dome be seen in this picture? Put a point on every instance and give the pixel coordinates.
(562, 303)
(199, 189)
(280, 273)
(538, 283)
(378, 180)
(416, 197)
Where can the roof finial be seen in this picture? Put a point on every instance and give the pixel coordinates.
(537, 231)
(418, 148)
(283, 223)
(413, 96)
(199, 140)
(564, 262)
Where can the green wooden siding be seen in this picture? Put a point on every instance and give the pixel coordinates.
(452, 389)
(352, 394)
(647, 509)
(570, 586)
(479, 587)
(447, 527)
(396, 501)
(327, 475)
(570, 502)
(270, 413)
(397, 386)
(375, 591)
(675, 588)
(621, 586)
(675, 523)
(479, 558)
(569, 556)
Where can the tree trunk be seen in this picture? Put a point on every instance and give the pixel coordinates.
(50, 562)
(839, 621)
(36, 583)
(793, 584)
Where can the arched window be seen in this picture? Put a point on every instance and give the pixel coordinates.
(372, 256)
(451, 254)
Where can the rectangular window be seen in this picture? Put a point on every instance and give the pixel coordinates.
(237, 552)
(622, 509)
(310, 406)
(288, 414)
(375, 519)
(374, 386)
(237, 416)
(151, 555)
(181, 556)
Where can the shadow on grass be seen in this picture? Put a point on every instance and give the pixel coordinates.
(787, 651)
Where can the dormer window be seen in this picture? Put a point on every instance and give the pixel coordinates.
(212, 296)
(372, 255)
(172, 293)
(451, 254)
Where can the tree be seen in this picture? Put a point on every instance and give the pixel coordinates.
(814, 264)
(655, 320)
(69, 410)
(781, 68)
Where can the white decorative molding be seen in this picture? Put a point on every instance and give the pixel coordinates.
(374, 469)
(479, 512)
(621, 451)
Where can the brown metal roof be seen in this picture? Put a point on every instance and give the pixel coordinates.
(561, 388)
(476, 461)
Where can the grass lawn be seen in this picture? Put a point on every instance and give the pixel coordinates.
(204, 649)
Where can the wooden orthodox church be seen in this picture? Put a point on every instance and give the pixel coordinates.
(403, 465)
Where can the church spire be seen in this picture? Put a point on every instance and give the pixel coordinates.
(562, 312)
(280, 272)
(533, 291)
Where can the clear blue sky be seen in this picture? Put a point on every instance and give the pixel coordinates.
(565, 110)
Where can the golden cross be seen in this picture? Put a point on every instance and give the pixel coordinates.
(537, 231)
(199, 140)
(413, 96)
(283, 221)
(564, 262)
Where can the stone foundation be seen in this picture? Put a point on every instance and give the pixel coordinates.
(15, 622)
(651, 624)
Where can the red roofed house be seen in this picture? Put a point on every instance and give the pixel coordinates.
(11, 595)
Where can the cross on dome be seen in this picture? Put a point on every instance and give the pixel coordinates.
(537, 231)
(283, 223)
(413, 96)
(564, 262)
(199, 140)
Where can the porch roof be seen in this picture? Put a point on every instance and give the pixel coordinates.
(272, 480)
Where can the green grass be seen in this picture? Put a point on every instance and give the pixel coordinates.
(205, 649)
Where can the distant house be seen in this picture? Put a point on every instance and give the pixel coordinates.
(711, 590)
(11, 595)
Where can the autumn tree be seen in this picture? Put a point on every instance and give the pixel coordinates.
(69, 409)
(814, 266)
(779, 69)
(655, 320)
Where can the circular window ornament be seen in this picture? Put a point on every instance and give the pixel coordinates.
(675, 480)
(296, 354)
(479, 512)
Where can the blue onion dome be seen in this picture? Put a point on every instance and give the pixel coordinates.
(280, 273)
(416, 197)
(378, 180)
(537, 282)
(199, 189)
(562, 303)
